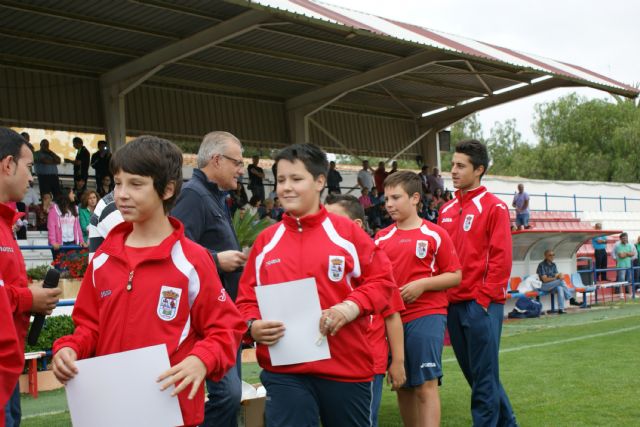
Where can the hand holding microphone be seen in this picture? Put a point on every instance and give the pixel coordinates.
(45, 299)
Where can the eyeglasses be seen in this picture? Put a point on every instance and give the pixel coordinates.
(236, 162)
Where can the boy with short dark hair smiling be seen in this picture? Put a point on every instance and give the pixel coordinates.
(148, 284)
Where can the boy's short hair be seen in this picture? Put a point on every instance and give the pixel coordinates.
(409, 181)
(154, 157)
(11, 143)
(477, 152)
(349, 203)
(314, 159)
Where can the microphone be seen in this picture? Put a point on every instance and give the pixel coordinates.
(50, 281)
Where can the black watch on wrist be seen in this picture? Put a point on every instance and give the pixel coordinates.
(249, 325)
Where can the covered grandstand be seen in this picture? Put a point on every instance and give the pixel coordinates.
(271, 72)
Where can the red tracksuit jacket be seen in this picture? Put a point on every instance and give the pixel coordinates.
(478, 223)
(175, 297)
(346, 265)
(11, 354)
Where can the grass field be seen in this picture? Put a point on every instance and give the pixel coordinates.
(581, 369)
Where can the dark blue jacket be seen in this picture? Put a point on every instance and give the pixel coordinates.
(202, 208)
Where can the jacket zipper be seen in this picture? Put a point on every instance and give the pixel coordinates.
(130, 282)
(299, 225)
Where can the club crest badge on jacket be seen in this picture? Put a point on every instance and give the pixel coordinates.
(421, 248)
(169, 302)
(336, 268)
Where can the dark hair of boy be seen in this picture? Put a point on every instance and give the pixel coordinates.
(477, 152)
(409, 181)
(154, 157)
(11, 144)
(314, 159)
(349, 203)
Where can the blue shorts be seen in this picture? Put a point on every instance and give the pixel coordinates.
(423, 342)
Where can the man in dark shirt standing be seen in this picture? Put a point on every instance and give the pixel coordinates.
(201, 206)
(46, 165)
(100, 162)
(81, 162)
(333, 179)
(256, 175)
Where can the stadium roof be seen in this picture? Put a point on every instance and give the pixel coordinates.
(271, 72)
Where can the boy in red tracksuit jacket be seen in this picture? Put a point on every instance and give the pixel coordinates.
(353, 281)
(385, 334)
(148, 284)
(478, 223)
(425, 265)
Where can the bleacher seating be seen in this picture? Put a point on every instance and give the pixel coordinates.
(36, 257)
(554, 221)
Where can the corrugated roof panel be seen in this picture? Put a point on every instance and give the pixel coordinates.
(214, 112)
(249, 62)
(52, 101)
(274, 40)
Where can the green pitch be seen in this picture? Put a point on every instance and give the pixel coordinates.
(580, 369)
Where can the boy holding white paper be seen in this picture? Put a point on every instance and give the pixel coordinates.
(148, 284)
(425, 264)
(353, 280)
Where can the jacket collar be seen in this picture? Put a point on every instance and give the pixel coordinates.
(115, 242)
(308, 221)
(9, 216)
(210, 185)
(462, 198)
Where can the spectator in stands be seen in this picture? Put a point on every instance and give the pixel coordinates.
(364, 199)
(81, 162)
(100, 162)
(106, 186)
(45, 162)
(447, 196)
(437, 198)
(32, 198)
(238, 198)
(636, 262)
(254, 204)
(552, 281)
(435, 181)
(333, 179)
(431, 213)
(256, 177)
(521, 203)
(63, 225)
(379, 176)
(79, 188)
(394, 167)
(104, 217)
(365, 178)
(599, 244)
(278, 210)
(424, 178)
(42, 211)
(624, 253)
(87, 206)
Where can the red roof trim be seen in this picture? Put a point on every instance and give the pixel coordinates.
(345, 20)
(533, 61)
(441, 39)
(600, 76)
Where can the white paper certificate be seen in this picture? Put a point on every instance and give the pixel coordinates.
(297, 305)
(121, 390)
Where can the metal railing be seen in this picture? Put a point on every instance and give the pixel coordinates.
(571, 203)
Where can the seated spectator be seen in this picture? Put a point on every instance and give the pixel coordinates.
(42, 211)
(277, 209)
(624, 253)
(552, 281)
(106, 186)
(364, 199)
(238, 198)
(63, 226)
(254, 204)
(447, 196)
(437, 198)
(79, 188)
(87, 206)
(431, 213)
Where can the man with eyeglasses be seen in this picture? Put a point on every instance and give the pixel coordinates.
(202, 208)
(552, 281)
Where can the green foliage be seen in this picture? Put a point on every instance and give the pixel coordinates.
(248, 227)
(54, 328)
(38, 272)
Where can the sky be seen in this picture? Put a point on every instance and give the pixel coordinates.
(602, 36)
